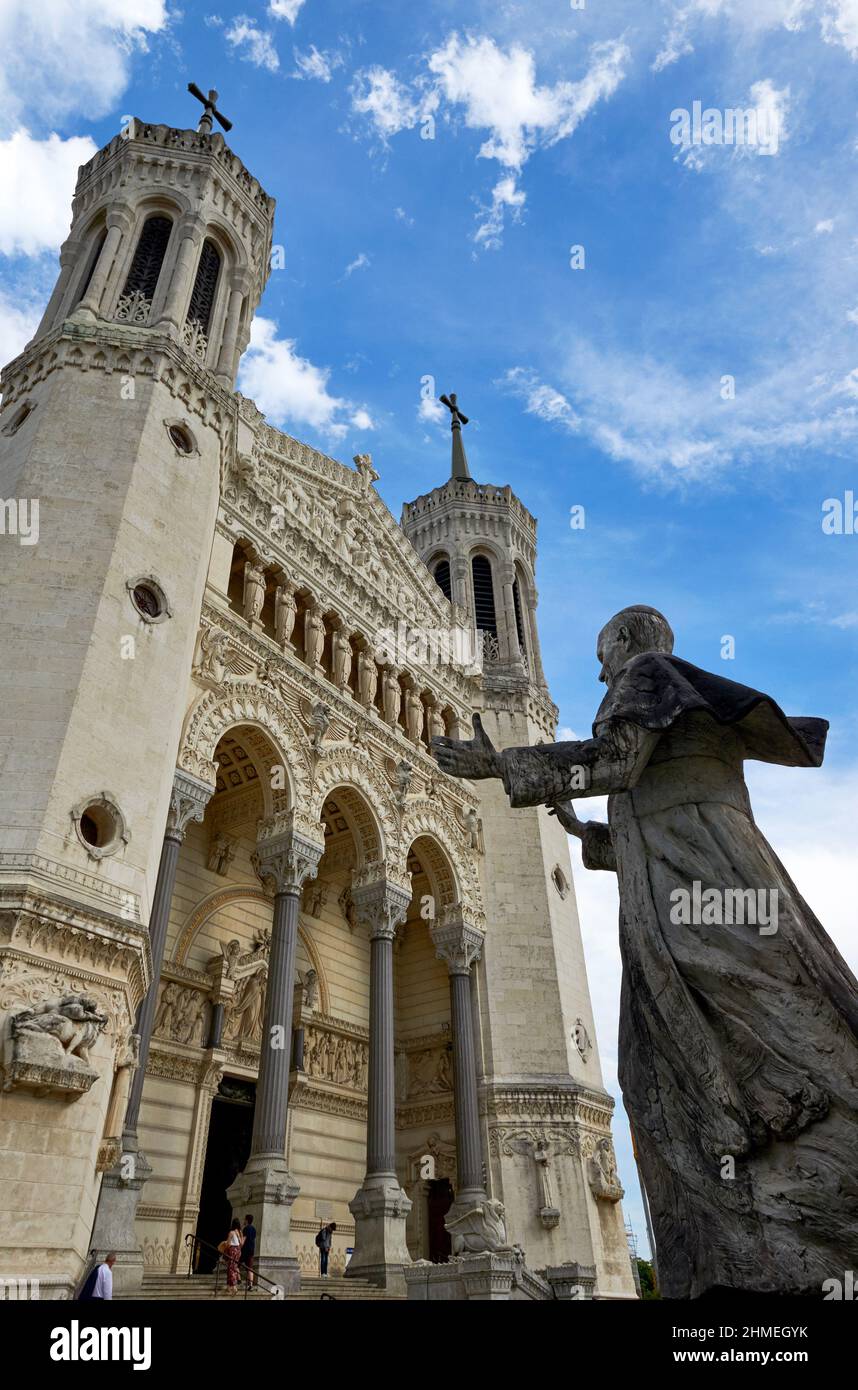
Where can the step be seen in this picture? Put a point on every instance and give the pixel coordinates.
(177, 1287)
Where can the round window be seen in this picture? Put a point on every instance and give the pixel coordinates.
(181, 438)
(148, 599)
(100, 826)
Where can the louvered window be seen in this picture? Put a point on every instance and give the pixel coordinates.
(484, 597)
(202, 299)
(148, 258)
(442, 578)
(519, 626)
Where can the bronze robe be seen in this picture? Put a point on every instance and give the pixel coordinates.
(735, 1044)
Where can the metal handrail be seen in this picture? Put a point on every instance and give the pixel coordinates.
(196, 1243)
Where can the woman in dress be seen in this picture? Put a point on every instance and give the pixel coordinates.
(231, 1256)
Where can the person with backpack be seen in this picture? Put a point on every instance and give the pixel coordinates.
(323, 1243)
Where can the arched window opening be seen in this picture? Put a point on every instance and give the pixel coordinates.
(441, 574)
(139, 291)
(92, 263)
(202, 298)
(484, 595)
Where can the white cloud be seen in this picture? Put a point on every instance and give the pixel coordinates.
(290, 390)
(695, 19)
(286, 9)
(840, 25)
(499, 93)
(38, 179)
(852, 314)
(826, 226)
(540, 399)
(390, 106)
(252, 45)
(61, 57)
(495, 90)
(505, 196)
(18, 322)
(315, 65)
(402, 216)
(431, 411)
(360, 262)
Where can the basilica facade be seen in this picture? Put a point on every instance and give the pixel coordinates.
(257, 953)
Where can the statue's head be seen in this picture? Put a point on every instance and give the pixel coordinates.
(629, 632)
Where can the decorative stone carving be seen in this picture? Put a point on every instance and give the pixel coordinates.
(181, 1015)
(188, 801)
(221, 854)
(428, 1072)
(348, 909)
(482, 1228)
(368, 475)
(285, 613)
(314, 636)
(217, 663)
(404, 778)
(581, 1038)
(311, 988)
(320, 722)
(367, 679)
(413, 715)
(254, 591)
(602, 1173)
(341, 656)
(244, 1014)
(391, 695)
(315, 897)
(47, 1047)
(284, 860)
(332, 1057)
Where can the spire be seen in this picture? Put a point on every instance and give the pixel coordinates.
(457, 420)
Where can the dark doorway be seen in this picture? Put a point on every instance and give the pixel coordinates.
(439, 1199)
(227, 1153)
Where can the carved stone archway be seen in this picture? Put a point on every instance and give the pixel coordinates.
(366, 799)
(450, 859)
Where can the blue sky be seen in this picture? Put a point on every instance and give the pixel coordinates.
(449, 257)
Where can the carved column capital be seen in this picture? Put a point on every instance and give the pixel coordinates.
(381, 904)
(188, 801)
(285, 859)
(458, 944)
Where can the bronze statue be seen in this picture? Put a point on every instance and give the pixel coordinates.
(738, 1046)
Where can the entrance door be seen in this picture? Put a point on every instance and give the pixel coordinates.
(439, 1199)
(227, 1152)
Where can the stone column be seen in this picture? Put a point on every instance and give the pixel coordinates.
(380, 1205)
(285, 860)
(70, 255)
(119, 222)
(122, 1184)
(190, 231)
(459, 945)
(238, 288)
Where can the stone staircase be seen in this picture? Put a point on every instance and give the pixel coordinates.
(179, 1288)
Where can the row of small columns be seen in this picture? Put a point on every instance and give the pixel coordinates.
(285, 862)
(389, 689)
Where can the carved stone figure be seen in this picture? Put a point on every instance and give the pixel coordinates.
(320, 722)
(285, 612)
(315, 898)
(434, 721)
(602, 1173)
(314, 635)
(348, 909)
(254, 591)
(478, 1230)
(215, 664)
(368, 475)
(391, 694)
(341, 657)
(311, 988)
(473, 828)
(581, 1039)
(73, 1021)
(404, 778)
(168, 1010)
(244, 1020)
(221, 854)
(413, 715)
(367, 679)
(738, 1016)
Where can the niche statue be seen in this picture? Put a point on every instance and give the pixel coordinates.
(739, 1018)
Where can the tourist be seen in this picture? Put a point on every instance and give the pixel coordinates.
(231, 1252)
(248, 1250)
(99, 1283)
(323, 1241)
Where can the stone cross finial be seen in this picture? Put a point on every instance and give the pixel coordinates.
(457, 420)
(210, 109)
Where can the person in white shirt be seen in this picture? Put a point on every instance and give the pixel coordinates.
(99, 1283)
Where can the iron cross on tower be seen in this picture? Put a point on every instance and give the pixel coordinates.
(457, 420)
(210, 109)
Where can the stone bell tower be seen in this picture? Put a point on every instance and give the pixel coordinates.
(546, 1115)
(114, 424)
